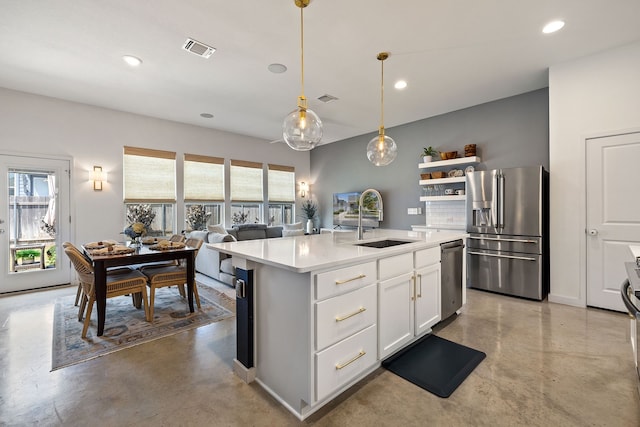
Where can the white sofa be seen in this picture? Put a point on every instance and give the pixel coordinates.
(218, 265)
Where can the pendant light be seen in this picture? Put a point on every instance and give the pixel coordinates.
(382, 149)
(302, 128)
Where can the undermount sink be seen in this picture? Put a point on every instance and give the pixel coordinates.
(387, 243)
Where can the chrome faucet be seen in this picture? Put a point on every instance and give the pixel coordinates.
(370, 190)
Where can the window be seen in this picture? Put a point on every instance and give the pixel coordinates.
(212, 211)
(150, 186)
(203, 183)
(157, 217)
(280, 213)
(246, 191)
(282, 194)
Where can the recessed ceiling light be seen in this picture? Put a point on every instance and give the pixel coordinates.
(552, 27)
(132, 60)
(277, 68)
(400, 84)
(206, 115)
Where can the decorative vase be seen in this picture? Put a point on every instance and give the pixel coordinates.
(309, 226)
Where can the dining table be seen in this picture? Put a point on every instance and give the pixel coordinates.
(141, 254)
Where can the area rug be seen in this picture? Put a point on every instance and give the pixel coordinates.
(125, 326)
(435, 364)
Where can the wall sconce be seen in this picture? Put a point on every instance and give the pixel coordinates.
(98, 176)
(303, 189)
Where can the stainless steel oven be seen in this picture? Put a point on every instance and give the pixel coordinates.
(630, 292)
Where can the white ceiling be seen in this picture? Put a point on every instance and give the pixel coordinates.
(453, 54)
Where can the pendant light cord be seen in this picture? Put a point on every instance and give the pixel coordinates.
(301, 52)
(382, 95)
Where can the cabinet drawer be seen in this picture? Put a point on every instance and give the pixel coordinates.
(396, 265)
(425, 257)
(344, 361)
(341, 316)
(345, 279)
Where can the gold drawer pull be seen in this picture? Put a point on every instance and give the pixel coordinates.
(362, 353)
(360, 310)
(342, 282)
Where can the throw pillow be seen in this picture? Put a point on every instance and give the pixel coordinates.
(288, 233)
(199, 234)
(218, 228)
(294, 226)
(219, 237)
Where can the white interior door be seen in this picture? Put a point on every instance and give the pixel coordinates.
(613, 215)
(34, 222)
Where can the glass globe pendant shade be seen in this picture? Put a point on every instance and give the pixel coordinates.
(302, 129)
(382, 150)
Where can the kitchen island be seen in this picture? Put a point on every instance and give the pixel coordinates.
(317, 313)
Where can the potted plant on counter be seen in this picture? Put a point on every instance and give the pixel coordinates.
(428, 153)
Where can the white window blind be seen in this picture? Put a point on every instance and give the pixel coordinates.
(281, 183)
(149, 175)
(246, 181)
(203, 178)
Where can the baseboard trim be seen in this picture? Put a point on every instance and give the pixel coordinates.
(248, 375)
(558, 299)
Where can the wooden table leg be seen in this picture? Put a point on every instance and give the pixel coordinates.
(137, 299)
(191, 277)
(100, 272)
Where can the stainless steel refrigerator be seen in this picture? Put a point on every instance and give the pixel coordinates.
(508, 223)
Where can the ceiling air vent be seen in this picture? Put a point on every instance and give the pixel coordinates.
(198, 48)
(327, 98)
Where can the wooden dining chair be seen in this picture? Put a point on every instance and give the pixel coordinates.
(121, 282)
(162, 276)
(177, 238)
(66, 245)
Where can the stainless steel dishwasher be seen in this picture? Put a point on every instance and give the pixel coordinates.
(451, 277)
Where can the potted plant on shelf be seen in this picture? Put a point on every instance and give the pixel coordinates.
(428, 153)
(309, 209)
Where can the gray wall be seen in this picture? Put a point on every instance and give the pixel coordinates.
(509, 132)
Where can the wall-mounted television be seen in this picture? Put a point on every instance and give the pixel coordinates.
(345, 210)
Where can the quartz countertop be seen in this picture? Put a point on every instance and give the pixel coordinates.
(303, 254)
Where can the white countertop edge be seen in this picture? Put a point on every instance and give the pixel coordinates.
(293, 252)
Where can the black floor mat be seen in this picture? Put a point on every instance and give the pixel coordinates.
(435, 364)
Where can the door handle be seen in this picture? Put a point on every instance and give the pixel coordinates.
(593, 232)
(523, 258)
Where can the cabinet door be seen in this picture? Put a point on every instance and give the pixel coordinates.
(395, 313)
(427, 301)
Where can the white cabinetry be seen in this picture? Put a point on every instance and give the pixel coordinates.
(345, 339)
(427, 298)
(408, 298)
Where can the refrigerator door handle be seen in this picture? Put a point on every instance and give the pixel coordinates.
(494, 202)
(503, 240)
(500, 223)
(523, 258)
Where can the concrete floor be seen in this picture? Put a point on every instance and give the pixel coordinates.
(547, 365)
